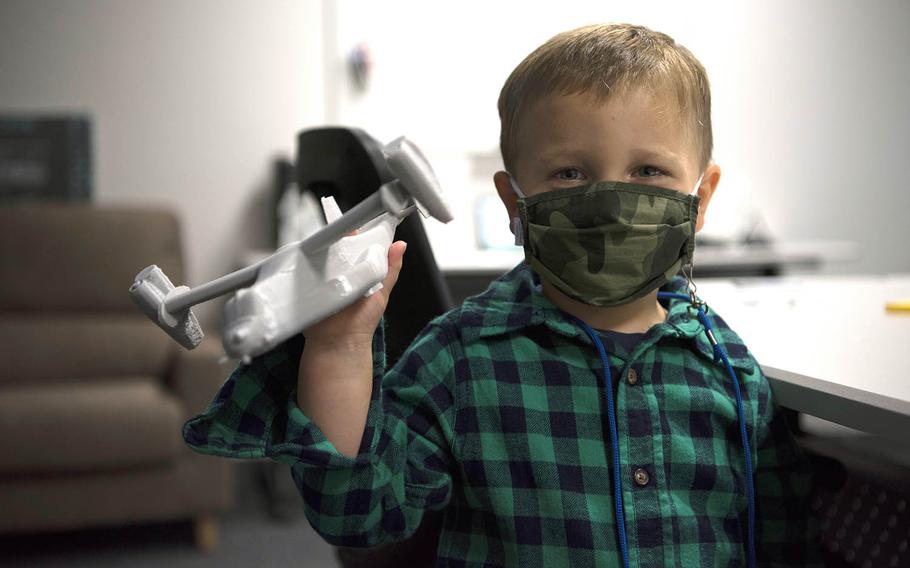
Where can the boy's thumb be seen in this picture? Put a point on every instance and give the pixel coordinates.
(396, 261)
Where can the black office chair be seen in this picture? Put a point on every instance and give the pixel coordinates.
(347, 163)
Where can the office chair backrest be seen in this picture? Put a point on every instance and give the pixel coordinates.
(347, 163)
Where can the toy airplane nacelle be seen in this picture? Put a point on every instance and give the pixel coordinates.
(306, 281)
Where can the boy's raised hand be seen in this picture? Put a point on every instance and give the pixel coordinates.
(357, 322)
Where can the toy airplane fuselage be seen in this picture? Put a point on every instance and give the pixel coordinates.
(303, 282)
(294, 289)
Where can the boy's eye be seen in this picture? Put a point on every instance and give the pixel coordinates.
(649, 171)
(569, 174)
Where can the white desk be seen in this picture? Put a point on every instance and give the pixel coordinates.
(827, 344)
(457, 257)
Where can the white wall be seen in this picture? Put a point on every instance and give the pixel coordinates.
(810, 112)
(190, 102)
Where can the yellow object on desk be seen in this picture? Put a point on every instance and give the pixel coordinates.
(898, 306)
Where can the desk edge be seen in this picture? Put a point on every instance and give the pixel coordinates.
(848, 406)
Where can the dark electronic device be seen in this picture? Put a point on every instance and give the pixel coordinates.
(45, 158)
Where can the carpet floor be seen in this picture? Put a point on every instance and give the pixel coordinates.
(253, 534)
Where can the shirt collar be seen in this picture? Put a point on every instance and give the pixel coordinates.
(514, 302)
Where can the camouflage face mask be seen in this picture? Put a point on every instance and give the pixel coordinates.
(608, 243)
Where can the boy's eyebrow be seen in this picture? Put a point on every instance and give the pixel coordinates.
(636, 154)
(656, 154)
(561, 154)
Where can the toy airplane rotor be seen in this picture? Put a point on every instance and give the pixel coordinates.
(306, 281)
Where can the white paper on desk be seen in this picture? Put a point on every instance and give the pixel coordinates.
(764, 293)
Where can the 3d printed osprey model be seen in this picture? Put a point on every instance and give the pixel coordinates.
(306, 281)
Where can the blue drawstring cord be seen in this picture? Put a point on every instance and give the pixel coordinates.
(614, 441)
(719, 355)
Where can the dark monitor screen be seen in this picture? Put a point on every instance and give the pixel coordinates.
(45, 158)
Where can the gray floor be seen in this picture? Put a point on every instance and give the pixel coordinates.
(249, 538)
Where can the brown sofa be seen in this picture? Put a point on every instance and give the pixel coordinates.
(92, 394)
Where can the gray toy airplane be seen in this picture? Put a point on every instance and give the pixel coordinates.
(305, 281)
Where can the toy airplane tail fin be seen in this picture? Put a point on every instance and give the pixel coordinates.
(150, 291)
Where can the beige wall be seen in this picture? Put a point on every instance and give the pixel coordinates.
(190, 100)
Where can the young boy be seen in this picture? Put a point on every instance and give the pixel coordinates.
(503, 411)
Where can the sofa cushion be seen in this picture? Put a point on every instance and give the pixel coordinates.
(129, 421)
(64, 348)
(82, 258)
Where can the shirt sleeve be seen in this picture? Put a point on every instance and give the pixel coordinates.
(786, 531)
(404, 463)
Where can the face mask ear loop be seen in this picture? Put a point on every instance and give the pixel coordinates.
(519, 231)
(517, 227)
(697, 184)
(515, 187)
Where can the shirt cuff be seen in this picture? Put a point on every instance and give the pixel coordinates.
(303, 442)
(255, 413)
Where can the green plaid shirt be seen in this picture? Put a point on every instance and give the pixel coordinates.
(497, 413)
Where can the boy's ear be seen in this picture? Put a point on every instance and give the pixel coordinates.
(502, 181)
(706, 191)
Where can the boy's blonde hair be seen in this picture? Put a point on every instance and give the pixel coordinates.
(606, 60)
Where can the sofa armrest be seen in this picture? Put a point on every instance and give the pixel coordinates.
(197, 374)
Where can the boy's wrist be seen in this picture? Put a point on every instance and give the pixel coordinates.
(347, 343)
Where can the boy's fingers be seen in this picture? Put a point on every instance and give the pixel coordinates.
(396, 260)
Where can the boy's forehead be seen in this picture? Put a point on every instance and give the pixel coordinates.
(578, 122)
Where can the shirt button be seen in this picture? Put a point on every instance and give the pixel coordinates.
(641, 477)
(632, 377)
